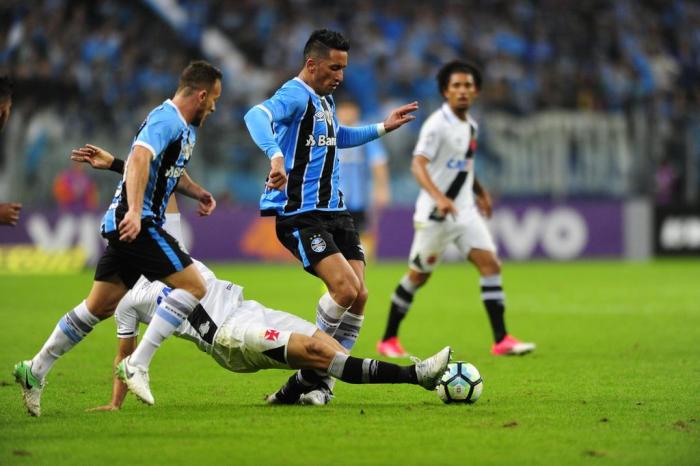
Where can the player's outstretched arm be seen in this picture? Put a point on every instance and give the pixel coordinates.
(400, 116)
(126, 347)
(189, 188)
(97, 158)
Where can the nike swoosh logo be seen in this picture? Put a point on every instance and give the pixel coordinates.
(126, 371)
(26, 381)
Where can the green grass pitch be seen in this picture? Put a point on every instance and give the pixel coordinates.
(615, 378)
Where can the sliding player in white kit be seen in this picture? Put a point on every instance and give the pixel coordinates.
(447, 211)
(245, 336)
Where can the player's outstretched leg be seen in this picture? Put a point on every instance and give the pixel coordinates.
(315, 355)
(70, 330)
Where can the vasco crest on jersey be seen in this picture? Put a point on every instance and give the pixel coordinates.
(318, 244)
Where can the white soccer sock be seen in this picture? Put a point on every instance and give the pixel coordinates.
(171, 312)
(71, 329)
(349, 330)
(328, 314)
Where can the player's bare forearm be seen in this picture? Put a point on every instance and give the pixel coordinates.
(119, 389)
(187, 187)
(137, 177)
(483, 199)
(97, 158)
(420, 172)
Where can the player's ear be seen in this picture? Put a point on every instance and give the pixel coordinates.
(202, 95)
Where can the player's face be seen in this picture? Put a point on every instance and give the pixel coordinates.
(5, 107)
(460, 92)
(327, 72)
(207, 104)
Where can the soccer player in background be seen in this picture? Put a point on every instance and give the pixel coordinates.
(298, 130)
(450, 209)
(364, 179)
(9, 211)
(137, 243)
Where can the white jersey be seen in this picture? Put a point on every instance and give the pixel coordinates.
(450, 145)
(221, 301)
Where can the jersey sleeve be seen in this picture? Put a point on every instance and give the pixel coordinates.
(281, 107)
(157, 133)
(349, 136)
(428, 140)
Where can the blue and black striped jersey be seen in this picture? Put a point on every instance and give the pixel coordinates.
(302, 126)
(170, 139)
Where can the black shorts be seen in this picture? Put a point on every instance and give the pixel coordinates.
(359, 217)
(154, 254)
(312, 236)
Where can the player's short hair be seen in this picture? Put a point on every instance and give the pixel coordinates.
(322, 41)
(457, 66)
(199, 74)
(6, 86)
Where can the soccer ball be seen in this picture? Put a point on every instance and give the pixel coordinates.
(461, 383)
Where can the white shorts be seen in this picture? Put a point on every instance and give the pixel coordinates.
(256, 337)
(431, 238)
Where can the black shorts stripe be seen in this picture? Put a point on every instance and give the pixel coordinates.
(302, 152)
(325, 184)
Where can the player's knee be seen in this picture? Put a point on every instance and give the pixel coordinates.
(362, 297)
(197, 288)
(346, 290)
(491, 267)
(418, 278)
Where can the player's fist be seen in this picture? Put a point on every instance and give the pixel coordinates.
(278, 176)
(130, 226)
(94, 155)
(446, 207)
(207, 204)
(400, 116)
(9, 213)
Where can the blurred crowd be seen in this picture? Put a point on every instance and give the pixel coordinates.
(102, 65)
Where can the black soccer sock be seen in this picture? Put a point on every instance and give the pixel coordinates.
(494, 301)
(355, 370)
(295, 386)
(400, 304)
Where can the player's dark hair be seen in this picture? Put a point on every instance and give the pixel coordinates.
(322, 41)
(457, 66)
(6, 87)
(199, 75)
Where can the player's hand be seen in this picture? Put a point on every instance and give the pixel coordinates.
(484, 204)
(109, 407)
(207, 204)
(9, 213)
(446, 207)
(400, 116)
(95, 156)
(130, 226)
(278, 176)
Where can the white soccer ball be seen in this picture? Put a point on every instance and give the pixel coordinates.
(461, 383)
